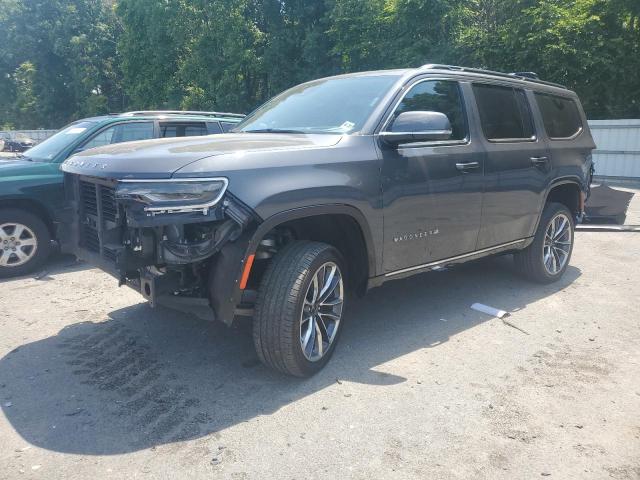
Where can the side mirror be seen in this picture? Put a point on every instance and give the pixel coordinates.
(418, 127)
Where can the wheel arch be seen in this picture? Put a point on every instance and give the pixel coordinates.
(238, 259)
(334, 210)
(567, 191)
(32, 206)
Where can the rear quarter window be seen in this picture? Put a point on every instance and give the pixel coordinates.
(560, 115)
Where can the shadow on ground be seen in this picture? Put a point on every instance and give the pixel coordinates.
(144, 377)
(58, 263)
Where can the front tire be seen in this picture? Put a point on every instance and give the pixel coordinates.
(299, 308)
(548, 256)
(25, 242)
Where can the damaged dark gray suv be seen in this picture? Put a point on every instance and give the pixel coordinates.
(334, 187)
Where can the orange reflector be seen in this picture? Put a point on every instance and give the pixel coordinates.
(246, 272)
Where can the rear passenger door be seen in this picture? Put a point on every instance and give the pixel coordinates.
(517, 168)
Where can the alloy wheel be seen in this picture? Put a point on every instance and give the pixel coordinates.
(321, 312)
(557, 244)
(18, 244)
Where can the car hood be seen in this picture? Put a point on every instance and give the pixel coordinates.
(12, 168)
(160, 158)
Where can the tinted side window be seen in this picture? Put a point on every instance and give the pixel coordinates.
(441, 96)
(130, 132)
(100, 139)
(168, 130)
(504, 112)
(226, 126)
(195, 130)
(214, 127)
(183, 129)
(122, 132)
(560, 115)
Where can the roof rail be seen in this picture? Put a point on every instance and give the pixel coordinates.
(182, 112)
(531, 75)
(527, 76)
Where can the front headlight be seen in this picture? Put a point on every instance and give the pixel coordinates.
(174, 195)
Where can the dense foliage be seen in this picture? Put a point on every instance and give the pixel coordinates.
(64, 59)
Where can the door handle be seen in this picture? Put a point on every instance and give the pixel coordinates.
(466, 166)
(538, 161)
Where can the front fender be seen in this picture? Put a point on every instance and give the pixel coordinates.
(43, 193)
(230, 263)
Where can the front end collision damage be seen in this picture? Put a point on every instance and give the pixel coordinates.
(175, 257)
(168, 256)
(260, 240)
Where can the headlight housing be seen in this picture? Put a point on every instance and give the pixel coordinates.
(176, 195)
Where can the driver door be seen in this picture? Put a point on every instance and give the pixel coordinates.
(432, 191)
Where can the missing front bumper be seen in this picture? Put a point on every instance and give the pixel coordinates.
(191, 264)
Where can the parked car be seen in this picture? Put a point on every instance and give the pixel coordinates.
(334, 187)
(17, 144)
(31, 186)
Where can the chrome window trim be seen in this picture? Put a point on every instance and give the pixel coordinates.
(572, 137)
(563, 97)
(435, 143)
(513, 140)
(532, 139)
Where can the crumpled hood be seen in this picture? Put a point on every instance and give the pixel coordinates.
(160, 158)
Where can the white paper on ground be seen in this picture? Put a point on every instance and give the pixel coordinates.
(494, 312)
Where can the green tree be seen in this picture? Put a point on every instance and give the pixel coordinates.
(152, 42)
(70, 46)
(25, 100)
(591, 46)
(62, 59)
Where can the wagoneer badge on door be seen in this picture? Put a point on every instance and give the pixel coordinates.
(416, 235)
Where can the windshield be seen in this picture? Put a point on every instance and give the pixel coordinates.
(332, 105)
(52, 146)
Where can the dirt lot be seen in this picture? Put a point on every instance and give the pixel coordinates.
(95, 384)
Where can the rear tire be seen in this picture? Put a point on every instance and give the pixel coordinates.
(297, 321)
(25, 242)
(548, 256)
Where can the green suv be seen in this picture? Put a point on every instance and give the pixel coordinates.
(31, 184)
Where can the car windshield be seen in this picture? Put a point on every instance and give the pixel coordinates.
(332, 105)
(52, 146)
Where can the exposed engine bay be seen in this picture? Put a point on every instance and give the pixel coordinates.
(172, 256)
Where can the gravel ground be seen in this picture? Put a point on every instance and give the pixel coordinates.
(96, 384)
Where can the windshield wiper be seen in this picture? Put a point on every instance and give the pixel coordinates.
(273, 130)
